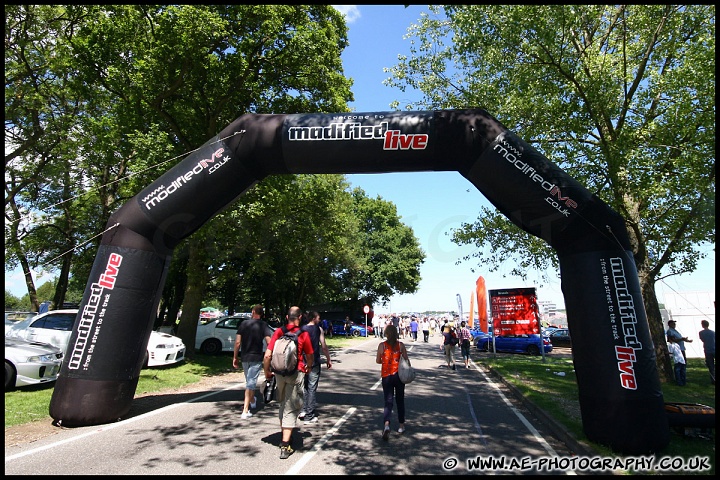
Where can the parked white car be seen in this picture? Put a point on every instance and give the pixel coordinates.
(55, 327)
(218, 335)
(30, 363)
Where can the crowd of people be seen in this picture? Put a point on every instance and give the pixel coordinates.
(296, 392)
(411, 326)
(676, 349)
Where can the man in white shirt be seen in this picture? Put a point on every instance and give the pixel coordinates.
(679, 360)
(677, 337)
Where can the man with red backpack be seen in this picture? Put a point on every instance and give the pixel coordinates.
(290, 382)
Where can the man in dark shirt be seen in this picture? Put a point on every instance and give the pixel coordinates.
(707, 337)
(249, 344)
(317, 337)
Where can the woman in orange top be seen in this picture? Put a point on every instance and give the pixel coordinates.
(388, 355)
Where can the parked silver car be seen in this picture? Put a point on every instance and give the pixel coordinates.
(30, 363)
(11, 318)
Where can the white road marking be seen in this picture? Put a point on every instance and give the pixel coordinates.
(295, 469)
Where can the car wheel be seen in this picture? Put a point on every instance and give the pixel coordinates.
(9, 376)
(211, 346)
(356, 333)
(533, 350)
(485, 347)
(146, 359)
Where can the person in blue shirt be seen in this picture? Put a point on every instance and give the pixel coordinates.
(327, 329)
(414, 328)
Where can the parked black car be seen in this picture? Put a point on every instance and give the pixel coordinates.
(561, 338)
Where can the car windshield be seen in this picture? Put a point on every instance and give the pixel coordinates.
(63, 322)
(231, 322)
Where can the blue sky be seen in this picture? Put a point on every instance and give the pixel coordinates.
(432, 203)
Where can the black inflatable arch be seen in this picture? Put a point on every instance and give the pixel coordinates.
(619, 388)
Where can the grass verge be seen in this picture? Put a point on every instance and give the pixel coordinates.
(31, 404)
(558, 397)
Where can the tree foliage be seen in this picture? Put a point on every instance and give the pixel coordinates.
(391, 253)
(621, 97)
(296, 242)
(101, 100)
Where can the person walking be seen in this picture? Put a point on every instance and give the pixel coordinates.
(317, 339)
(414, 328)
(707, 337)
(680, 368)
(448, 346)
(465, 339)
(249, 346)
(289, 388)
(377, 322)
(401, 327)
(395, 320)
(327, 328)
(425, 327)
(677, 336)
(348, 327)
(433, 326)
(388, 355)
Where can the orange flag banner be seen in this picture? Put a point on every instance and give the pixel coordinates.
(472, 312)
(481, 293)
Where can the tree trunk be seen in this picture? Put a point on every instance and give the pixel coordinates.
(657, 329)
(22, 258)
(62, 281)
(197, 275)
(32, 293)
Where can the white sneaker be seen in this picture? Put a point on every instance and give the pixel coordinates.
(311, 421)
(301, 416)
(401, 430)
(245, 416)
(253, 405)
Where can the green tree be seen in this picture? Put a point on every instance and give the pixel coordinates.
(196, 68)
(149, 83)
(307, 240)
(65, 161)
(391, 253)
(12, 302)
(298, 241)
(621, 97)
(42, 111)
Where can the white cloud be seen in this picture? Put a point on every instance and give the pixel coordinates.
(351, 12)
(15, 281)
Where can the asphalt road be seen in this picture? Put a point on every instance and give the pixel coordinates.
(454, 419)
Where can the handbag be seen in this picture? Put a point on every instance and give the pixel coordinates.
(405, 371)
(269, 394)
